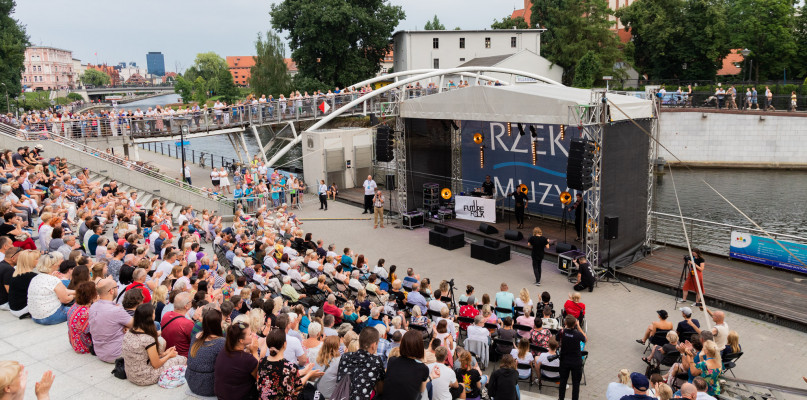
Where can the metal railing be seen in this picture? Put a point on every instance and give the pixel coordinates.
(711, 237)
(709, 100)
(125, 162)
(191, 155)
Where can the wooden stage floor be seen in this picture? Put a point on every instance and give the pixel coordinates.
(753, 290)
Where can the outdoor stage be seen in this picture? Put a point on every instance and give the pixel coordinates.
(748, 289)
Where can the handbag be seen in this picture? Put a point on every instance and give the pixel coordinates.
(119, 371)
(342, 391)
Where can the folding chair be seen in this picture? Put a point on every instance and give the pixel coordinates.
(658, 339)
(522, 328)
(501, 342)
(542, 378)
(464, 320)
(730, 362)
(427, 336)
(521, 366)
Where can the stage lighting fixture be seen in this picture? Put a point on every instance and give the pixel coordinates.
(520, 129)
(481, 156)
(509, 128)
(445, 193)
(562, 132)
(534, 156)
(533, 132)
(478, 138)
(454, 125)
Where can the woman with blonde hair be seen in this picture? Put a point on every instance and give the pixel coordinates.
(12, 381)
(47, 294)
(732, 345)
(21, 279)
(538, 243)
(257, 320)
(99, 272)
(159, 298)
(313, 343)
(524, 300)
(616, 390)
(709, 368)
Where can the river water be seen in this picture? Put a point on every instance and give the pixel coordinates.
(775, 199)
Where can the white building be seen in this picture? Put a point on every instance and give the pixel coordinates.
(450, 49)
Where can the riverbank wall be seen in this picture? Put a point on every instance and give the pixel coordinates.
(734, 139)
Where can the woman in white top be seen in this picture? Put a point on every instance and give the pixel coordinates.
(224, 182)
(313, 343)
(523, 355)
(523, 299)
(47, 294)
(616, 390)
(215, 179)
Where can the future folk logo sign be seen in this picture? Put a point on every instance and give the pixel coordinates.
(475, 208)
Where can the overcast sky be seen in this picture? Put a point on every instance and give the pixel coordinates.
(125, 31)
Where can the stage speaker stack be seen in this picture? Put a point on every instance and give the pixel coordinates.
(515, 236)
(580, 166)
(383, 143)
(488, 229)
(491, 251)
(564, 247)
(611, 227)
(390, 182)
(445, 238)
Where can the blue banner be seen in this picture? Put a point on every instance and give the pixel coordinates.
(762, 250)
(508, 161)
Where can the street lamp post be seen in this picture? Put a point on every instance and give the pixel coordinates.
(745, 52)
(182, 132)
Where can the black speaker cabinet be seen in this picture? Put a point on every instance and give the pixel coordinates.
(564, 247)
(515, 236)
(440, 228)
(488, 229)
(390, 182)
(450, 239)
(496, 254)
(610, 227)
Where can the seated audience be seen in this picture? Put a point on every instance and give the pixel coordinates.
(176, 327)
(47, 295)
(145, 355)
(78, 318)
(574, 306)
(662, 325)
(621, 388)
(277, 377)
(236, 368)
(205, 348)
(107, 321)
(689, 325)
(503, 382)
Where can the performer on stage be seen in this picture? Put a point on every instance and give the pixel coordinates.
(369, 191)
(323, 195)
(579, 208)
(521, 204)
(585, 275)
(694, 264)
(487, 187)
(538, 243)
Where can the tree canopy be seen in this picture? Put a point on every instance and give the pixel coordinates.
(677, 39)
(209, 67)
(337, 43)
(509, 23)
(95, 77)
(270, 75)
(767, 28)
(575, 27)
(587, 70)
(13, 42)
(434, 25)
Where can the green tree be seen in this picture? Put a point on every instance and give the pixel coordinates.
(798, 68)
(95, 77)
(200, 90)
(434, 25)
(13, 42)
(575, 27)
(73, 96)
(586, 71)
(269, 75)
(337, 43)
(768, 31)
(184, 88)
(207, 66)
(663, 46)
(227, 89)
(509, 23)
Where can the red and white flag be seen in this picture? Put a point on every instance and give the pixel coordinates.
(324, 107)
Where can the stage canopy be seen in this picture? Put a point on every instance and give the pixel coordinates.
(534, 103)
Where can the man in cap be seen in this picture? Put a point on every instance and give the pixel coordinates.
(689, 325)
(640, 385)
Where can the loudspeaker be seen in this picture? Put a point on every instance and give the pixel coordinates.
(514, 235)
(580, 164)
(383, 144)
(441, 228)
(390, 182)
(611, 227)
(491, 243)
(564, 247)
(487, 229)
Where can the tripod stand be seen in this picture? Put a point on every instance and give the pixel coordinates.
(680, 290)
(609, 274)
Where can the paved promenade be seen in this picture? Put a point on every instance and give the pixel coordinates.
(615, 317)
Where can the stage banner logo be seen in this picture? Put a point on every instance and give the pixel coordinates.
(762, 250)
(475, 208)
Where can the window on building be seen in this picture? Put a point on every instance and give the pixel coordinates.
(513, 42)
(462, 58)
(462, 42)
(436, 63)
(436, 43)
(487, 42)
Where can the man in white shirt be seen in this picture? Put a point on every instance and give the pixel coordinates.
(369, 191)
(238, 260)
(166, 266)
(217, 111)
(447, 378)
(186, 173)
(294, 348)
(477, 331)
(323, 195)
(155, 233)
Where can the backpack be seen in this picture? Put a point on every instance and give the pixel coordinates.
(119, 371)
(342, 391)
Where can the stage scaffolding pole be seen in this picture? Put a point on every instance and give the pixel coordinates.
(400, 162)
(590, 120)
(651, 161)
(456, 160)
